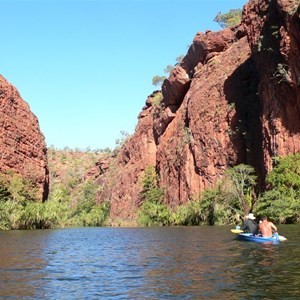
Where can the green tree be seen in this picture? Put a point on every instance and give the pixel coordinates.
(16, 188)
(230, 19)
(152, 211)
(150, 191)
(123, 139)
(281, 208)
(285, 177)
(281, 200)
(220, 205)
(157, 99)
(217, 205)
(168, 69)
(243, 180)
(158, 80)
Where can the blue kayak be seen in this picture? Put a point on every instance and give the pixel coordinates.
(258, 238)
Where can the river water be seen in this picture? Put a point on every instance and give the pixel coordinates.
(147, 263)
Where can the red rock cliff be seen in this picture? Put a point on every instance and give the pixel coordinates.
(273, 29)
(22, 145)
(233, 99)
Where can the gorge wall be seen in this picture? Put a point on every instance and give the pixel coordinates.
(22, 145)
(234, 98)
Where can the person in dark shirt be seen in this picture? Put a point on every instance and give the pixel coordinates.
(250, 226)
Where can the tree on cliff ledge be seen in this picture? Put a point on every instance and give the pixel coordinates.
(230, 19)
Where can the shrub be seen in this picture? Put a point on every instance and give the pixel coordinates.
(9, 215)
(279, 207)
(96, 215)
(285, 177)
(152, 211)
(16, 188)
(283, 73)
(281, 201)
(158, 80)
(188, 214)
(242, 183)
(220, 206)
(154, 214)
(32, 216)
(230, 19)
(157, 99)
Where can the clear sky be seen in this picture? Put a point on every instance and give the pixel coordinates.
(86, 67)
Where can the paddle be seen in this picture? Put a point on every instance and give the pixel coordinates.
(237, 230)
(282, 238)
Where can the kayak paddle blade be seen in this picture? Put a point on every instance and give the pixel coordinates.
(236, 231)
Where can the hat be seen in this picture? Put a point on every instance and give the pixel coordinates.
(251, 216)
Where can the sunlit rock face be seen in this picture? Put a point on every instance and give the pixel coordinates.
(273, 30)
(234, 98)
(22, 145)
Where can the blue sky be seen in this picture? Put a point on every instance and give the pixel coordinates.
(86, 67)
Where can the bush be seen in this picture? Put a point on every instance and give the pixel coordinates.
(96, 215)
(16, 216)
(279, 207)
(20, 213)
(230, 19)
(219, 206)
(157, 99)
(154, 214)
(32, 216)
(9, 215)
(281, 201)
(188, 214)
(285, 177)
(242, 183)
(158, 80)
(152, 211)
(16, 188)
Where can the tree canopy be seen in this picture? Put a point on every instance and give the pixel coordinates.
(230, 19)
(281, 200)
(158, 80)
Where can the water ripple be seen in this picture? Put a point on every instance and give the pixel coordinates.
(146, 263)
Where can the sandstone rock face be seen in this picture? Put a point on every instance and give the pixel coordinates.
(22, 145)
(234, 98)
(206, 137)
(122, 181)
(273, 29)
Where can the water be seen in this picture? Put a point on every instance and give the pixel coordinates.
(147, 263)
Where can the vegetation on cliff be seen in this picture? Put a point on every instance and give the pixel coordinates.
(158, 80)
(229, 19)
(72, 199)
(234, 196)
(152, 211)
(224, 204)
(281, 201)
(190, 149)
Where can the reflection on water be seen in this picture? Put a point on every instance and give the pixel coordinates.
(147, 263)
(268, 271)
(19, 264)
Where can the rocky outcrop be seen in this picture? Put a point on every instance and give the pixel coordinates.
(234, 98)
(207, 135)
(22, 145)
(122, 180)
(273, 31)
